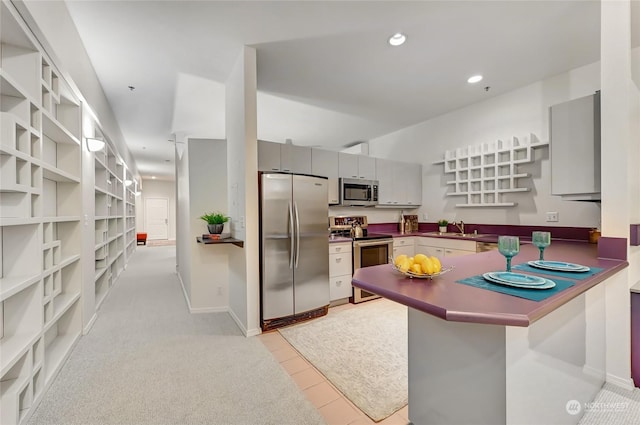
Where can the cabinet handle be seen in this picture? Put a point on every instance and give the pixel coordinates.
(338, 282)
(275, 169)
(355, 177)
(338, 248)
(338, 260)
(448, 251)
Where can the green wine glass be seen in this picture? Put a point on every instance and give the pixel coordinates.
(509, 246)
(541, 240)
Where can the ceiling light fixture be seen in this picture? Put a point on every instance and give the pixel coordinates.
(128, 183)
(94, 145)
(153, 177)
(397, 39)
(474, 79)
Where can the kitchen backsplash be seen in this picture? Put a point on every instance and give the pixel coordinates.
(374, 215)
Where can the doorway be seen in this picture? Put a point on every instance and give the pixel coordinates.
(157, 218)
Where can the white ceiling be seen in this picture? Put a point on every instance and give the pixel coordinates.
(326, 75)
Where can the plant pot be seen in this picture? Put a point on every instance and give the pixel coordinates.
(442, 229)
(215, 228)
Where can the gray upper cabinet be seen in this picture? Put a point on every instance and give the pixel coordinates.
(295, 159)
(357, 166)
(575, 148)
(283, 157)
(400, 183)
(268, 156)
(325, 163)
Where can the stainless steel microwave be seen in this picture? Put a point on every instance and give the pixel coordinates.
(358, 193)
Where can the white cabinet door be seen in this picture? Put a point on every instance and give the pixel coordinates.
(348, 165)
(409, 251)
(295, 159)
(413, 184)
(450, 252)
(366, 167)
(340, 287)
(340, 264)
(400, 183)
(268, 156)
(385, 169)
(325, 164)
(430, 251)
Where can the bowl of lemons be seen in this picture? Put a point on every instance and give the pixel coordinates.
(420, 266)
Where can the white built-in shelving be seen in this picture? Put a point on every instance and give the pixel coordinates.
(40, 219)
(485, 174)
(110, 219)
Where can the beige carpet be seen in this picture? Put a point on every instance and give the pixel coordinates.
(362, 351)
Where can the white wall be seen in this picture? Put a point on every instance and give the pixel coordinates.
(158, 189)
(242, 160)
(183, 221)
(516, 113)
(208, 192)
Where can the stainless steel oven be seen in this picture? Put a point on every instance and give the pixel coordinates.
(370, 251)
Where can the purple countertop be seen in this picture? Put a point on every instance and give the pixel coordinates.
(444, 298)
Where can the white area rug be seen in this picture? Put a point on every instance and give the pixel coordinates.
(362, 351)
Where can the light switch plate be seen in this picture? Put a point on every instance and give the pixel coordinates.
(552, 217)
(425, 216)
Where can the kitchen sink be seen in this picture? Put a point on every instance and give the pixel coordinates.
(455, 234)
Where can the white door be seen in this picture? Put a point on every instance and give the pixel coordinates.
(157, 218)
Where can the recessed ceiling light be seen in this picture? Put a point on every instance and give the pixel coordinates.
(397, 39)
(474, 79)
(153, 177)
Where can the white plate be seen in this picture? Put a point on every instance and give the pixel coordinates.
(559, 266)
(547, 285)
(518, 278)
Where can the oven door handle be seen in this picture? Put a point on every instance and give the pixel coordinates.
(373, 243)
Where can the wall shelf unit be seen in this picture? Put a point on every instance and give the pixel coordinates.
(484, 174)
(40, 219)
(109, 219)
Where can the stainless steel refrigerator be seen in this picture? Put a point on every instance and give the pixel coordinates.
(294, 248)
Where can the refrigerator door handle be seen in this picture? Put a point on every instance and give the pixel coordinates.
(291, 251)
(295, 204)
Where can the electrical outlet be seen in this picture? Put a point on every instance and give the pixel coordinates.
(425, 216)
(552, 216)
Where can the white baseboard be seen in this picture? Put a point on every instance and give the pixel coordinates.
(90, 324)
(192, 310)
(626, 383)
(246, 332)
(208, 310)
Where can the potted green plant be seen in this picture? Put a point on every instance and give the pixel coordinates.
(215, 221)
(442, 225)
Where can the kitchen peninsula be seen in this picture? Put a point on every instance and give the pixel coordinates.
(478, 356)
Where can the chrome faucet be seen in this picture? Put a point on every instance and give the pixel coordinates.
(460, 226)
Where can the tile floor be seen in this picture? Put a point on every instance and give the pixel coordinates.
(332, 405)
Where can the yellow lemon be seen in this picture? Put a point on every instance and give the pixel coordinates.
(399, 259)
(404, 265)
(415, 268)
(419, 258)
(437, 266)
(427, 266)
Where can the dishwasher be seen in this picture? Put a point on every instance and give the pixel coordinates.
(486, 246)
